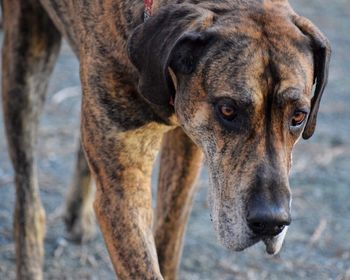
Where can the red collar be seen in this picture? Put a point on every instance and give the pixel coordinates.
(148, 9)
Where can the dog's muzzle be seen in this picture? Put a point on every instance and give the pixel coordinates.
(269, 219)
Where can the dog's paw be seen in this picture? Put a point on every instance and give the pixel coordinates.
(80, 225)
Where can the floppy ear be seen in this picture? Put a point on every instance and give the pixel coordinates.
(322, 53)
(166, 40)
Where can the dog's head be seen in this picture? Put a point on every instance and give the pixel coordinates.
(242, 79)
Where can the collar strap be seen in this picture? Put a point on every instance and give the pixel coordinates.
(148, 9)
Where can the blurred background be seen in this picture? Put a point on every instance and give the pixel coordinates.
(317, 245)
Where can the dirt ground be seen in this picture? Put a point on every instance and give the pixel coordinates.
(318, 242)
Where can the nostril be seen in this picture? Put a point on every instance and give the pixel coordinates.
(257, 227)
(266, 229)
(277, 230)
(267, 225)
(280, 227)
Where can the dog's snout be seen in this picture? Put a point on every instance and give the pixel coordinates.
(268, 208)
(267, 220)
(267, 223)
(268, 217)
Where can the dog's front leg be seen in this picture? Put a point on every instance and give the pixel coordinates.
(122, 164)
(121, 156)
(179, 166)
(79, 217)
(31, 46)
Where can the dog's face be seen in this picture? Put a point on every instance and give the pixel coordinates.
(243, 83)
(245, 106)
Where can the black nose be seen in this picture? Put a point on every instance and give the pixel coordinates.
(268, 221)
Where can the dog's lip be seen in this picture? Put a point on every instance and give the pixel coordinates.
(274, 243)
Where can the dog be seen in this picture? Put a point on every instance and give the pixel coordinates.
(231, 81)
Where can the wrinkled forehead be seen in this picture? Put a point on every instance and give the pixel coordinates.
(260, 53)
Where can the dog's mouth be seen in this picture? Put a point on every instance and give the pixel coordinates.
(274, 243)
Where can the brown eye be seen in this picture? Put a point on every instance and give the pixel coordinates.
(298, 118)
(227, 112)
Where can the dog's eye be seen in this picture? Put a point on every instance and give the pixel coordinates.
(228, 114)
(298, 118)
(227, 111)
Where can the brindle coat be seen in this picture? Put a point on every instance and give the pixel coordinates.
(241, 74)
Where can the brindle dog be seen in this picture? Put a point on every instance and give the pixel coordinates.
(231, 79)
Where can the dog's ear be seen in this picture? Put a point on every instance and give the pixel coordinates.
(169, 39)
(322, 52)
